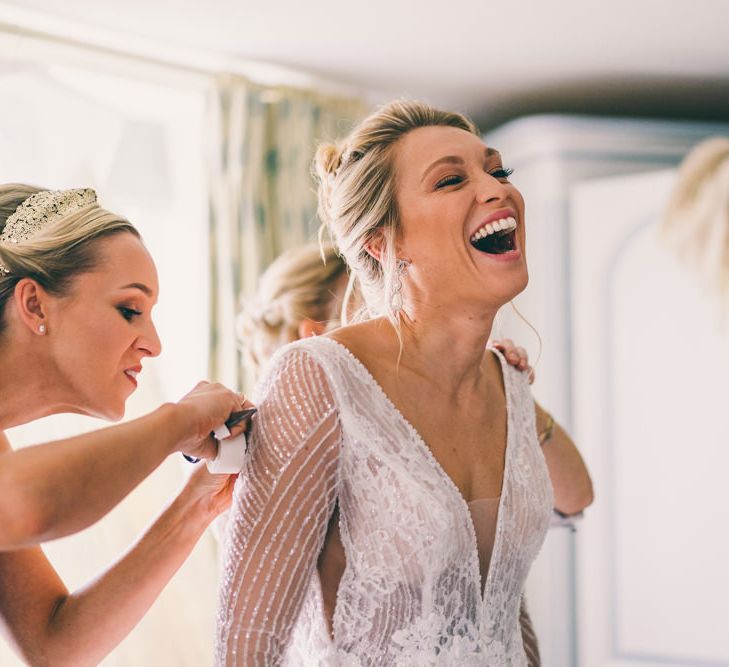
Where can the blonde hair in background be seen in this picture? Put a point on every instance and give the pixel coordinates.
(696, 222)
(58, 252)
(356, 191)
(298, 285)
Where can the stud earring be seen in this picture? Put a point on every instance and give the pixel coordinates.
(42, 329)
(401, 268)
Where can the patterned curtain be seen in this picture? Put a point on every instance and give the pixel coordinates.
(262, 194)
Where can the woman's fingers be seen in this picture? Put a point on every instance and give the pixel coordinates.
(206, 409)
(516, 356)
(240, 421)
(215, 491)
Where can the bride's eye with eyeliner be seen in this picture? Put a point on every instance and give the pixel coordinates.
(454, 179)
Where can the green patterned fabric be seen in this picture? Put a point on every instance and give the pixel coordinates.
(262, 196)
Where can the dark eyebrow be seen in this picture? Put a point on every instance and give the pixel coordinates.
(140, 286)
(455, 159)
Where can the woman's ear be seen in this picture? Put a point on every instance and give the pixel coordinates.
(374, 247)
(30, 305)
(309, 327)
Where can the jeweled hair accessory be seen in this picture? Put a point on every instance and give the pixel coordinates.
(40, 210)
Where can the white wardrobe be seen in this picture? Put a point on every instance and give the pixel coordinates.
(635, 363)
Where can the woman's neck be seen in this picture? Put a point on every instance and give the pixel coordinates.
(446, 347)
(26, 388)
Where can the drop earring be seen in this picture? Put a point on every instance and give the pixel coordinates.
(401, 268)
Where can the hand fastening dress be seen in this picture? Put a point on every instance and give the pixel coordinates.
(411, 592)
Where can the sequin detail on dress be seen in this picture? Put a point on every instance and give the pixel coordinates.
(410, 593)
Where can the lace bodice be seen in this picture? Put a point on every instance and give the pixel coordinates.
(411, 591)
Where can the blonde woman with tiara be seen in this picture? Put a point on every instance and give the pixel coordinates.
(77, 288)
(424, 438)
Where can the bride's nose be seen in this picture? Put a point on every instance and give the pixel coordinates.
(491, 190)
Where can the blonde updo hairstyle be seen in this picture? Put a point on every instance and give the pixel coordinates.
(300, 284)
(357, 203)
(57, 253)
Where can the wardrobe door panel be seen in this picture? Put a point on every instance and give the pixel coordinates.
(650, 374)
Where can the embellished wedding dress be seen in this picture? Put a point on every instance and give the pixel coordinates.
(411, 592)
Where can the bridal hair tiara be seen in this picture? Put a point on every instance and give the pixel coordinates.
(39, 211)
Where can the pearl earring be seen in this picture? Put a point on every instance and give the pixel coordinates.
(42, 329)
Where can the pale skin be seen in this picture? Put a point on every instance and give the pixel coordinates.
(93, 336)
(448, 182)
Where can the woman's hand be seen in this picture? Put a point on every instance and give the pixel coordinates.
(202, 410)
(516, 356)
(211, 493)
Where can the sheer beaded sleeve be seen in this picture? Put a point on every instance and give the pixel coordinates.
(281, 507)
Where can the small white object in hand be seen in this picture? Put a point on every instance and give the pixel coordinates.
(231, 456)
(221, 432)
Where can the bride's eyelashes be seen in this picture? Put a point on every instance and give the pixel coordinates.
(501, 173)
(453, 179)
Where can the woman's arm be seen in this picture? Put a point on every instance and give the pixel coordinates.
(570, 478)
(282, 504)
(59, 488)
(568, 472)
(49, 626)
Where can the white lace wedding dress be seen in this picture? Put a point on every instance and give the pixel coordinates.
(411, 593)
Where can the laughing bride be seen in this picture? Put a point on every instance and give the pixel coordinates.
(407, 424)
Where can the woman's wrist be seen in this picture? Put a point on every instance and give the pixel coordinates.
(174, 426)
(194, 509)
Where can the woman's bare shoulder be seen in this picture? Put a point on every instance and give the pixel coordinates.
(4, 443)
(363, 336)
(374, 343)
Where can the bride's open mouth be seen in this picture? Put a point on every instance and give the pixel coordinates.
(497, 237)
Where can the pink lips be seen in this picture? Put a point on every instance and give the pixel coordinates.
(132, 373)
(510, 256)
(504, 256)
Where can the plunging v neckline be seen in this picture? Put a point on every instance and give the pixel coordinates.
(484, 587)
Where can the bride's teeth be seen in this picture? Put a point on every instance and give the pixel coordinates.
(493, 227)
(496, 226)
